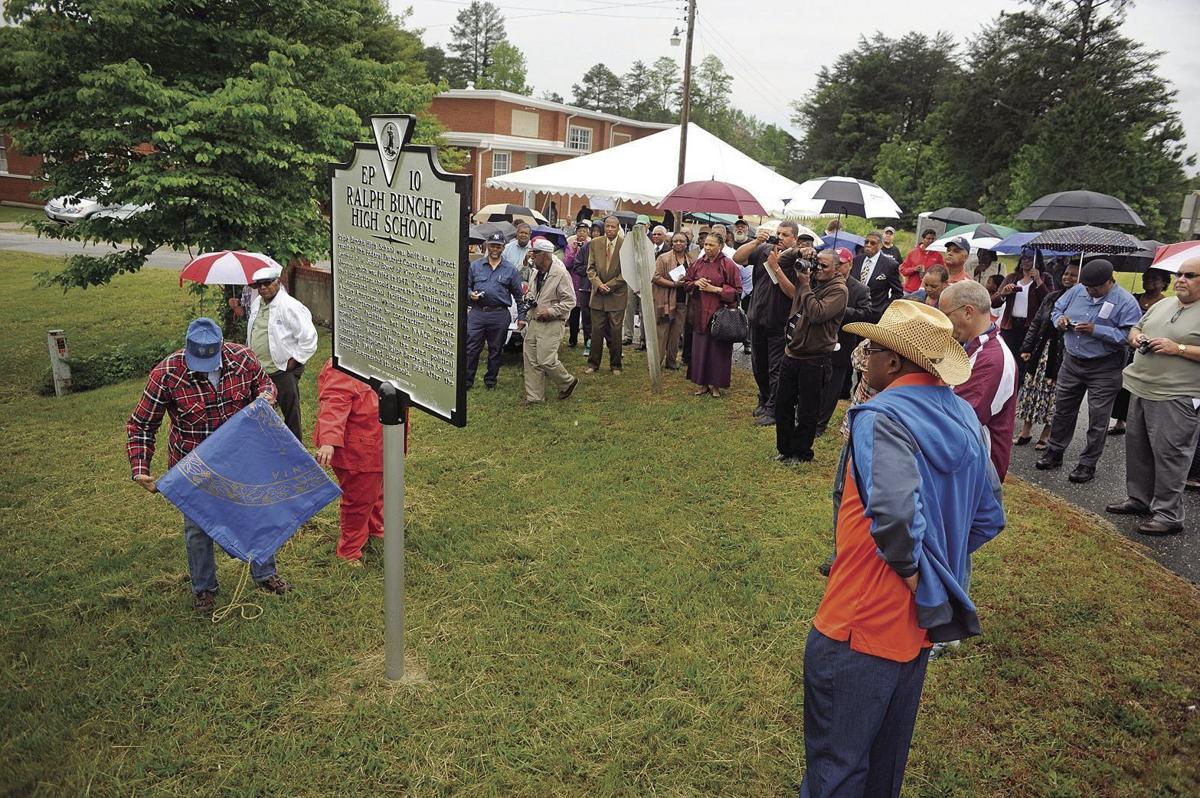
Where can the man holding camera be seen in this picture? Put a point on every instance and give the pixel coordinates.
(768, 310)
(542, 315)
(811, 333)
(1095, 316)
(1164, 407)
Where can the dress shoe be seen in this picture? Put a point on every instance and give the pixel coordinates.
(1159, 528)
(565, 393)
(1127, 507)
(1022, 440)
(1116, 430)
(1082, 473)
(1048, 461)
(765, 421)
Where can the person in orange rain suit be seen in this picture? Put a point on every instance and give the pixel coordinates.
(349, 437)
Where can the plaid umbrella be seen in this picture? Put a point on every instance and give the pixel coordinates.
(1088, 207)
(508, 213)
(1092, 240)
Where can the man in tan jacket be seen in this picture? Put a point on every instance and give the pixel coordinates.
(609, 296)
(546, 308)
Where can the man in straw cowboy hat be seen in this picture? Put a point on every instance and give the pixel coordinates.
(916, 496)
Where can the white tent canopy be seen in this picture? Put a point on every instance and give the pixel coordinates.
(645, 170)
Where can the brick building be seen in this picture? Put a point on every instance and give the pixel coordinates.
(505, 132)
(17, 183)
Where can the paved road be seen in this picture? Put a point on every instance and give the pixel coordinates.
(12, 240)
(1180, 553)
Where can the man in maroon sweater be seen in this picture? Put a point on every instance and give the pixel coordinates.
(992, 389)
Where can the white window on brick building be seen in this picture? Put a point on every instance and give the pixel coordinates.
(579, 138)
(3, 155)
(501, 163)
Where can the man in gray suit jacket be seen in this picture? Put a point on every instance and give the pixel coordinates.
(609, 296)
(545, 310)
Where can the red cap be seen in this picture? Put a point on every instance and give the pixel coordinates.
(844, 255)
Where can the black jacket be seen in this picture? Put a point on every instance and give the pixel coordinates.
(885, 281)
(1041, 333)
(858, 308)
(769, 306)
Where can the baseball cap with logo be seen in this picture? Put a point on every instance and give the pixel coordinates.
(202, 349)
(960, 243)
(497, 238)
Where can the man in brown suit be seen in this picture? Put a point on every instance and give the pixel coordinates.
(609, 296)
(545, 310)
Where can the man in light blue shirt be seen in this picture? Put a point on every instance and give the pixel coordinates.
(1095, 316)
(516, 250)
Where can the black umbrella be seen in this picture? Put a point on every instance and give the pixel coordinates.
(1087, 207)
(1139, 260)
(957, 216)
(1088, 239)
(479, 232)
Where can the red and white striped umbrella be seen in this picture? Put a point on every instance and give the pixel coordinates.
(1172, 256)
(225, 268)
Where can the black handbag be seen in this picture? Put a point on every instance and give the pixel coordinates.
(729, 325)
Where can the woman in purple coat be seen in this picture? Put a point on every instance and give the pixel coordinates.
(711, 281)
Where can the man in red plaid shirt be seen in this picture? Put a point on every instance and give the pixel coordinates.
(200, 387)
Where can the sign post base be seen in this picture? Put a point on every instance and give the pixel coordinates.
(392, 406)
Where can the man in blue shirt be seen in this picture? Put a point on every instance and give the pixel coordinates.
(1096, 316)
(493, 286)
(517, 250)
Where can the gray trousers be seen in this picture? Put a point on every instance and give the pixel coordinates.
(634, 308)
(1100, 379)
(1160, 440)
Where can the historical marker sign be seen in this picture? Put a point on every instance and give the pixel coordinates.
(399, 255)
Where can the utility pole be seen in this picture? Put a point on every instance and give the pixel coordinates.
(685, 111)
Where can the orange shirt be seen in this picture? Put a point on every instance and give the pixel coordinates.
(866, 602)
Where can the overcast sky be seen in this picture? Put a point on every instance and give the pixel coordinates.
(561, 40)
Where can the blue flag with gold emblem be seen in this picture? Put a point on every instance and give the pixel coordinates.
(249, 485)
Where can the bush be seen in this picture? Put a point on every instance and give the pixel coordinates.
(118, 363)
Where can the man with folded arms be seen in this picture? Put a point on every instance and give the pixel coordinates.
(1164, 420)
(916, 496)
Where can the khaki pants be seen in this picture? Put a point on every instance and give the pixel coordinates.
(542, 339)
(669, 335)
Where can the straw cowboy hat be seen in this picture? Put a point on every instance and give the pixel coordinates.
(921, 334)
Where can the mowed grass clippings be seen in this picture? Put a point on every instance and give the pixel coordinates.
(606, 596)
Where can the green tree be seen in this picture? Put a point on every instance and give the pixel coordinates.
(225, 134)
(598, 90)
(506, 72)
(635, 83)
(880, 89)
(663, 91)
(436, 64)
(477, 30)
(711, 89)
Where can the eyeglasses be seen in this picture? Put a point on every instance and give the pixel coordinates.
(1188, 275)
(871, 349)
(261, 284)
(952, 310)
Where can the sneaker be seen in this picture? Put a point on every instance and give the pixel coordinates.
(204, 601)
(942, 649)
(587, 348)
(565, 393)
(275, 584)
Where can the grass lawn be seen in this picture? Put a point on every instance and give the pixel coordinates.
(607, 596)
(10, 213)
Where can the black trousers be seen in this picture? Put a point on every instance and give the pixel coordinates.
(287, 387)
(1014, 337)
(581, 316)
(801, 386)
(838, 388)
(766, 348)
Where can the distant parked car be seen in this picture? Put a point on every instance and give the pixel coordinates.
(67, 210)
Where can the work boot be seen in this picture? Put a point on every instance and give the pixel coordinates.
(274, 584)
(204, 601)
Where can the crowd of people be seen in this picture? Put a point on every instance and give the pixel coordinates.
(939, 364)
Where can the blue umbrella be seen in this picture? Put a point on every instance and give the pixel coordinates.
(1017, 242)
(556, 236)
(842, 239)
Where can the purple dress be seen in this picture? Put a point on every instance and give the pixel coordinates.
(712, 360)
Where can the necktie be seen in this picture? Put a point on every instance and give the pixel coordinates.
(868, 265)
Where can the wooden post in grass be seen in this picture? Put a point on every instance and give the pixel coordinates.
(56, 342)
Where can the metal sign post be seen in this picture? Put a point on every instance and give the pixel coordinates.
(399, 263)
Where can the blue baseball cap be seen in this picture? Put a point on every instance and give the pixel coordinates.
(961, 243)
(497, 238)
(202, 351)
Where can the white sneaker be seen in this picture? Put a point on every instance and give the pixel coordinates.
(942, 649)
